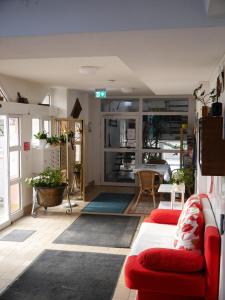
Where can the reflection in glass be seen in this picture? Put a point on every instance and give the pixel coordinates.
(171, 158)
(119, 167)
(14, 164)
(13, 132)
(120, 133)
(14, 197)
(162, 132)
(168, 105)
(120, 105)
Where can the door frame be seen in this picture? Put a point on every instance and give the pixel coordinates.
(19, 213)
(117, 116)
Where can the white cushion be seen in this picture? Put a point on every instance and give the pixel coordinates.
(153, 235)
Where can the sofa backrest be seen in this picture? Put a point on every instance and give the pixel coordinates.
(211, 251)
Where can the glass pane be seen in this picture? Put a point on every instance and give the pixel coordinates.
(3, 171)
(120, 133)
(119, 167)
(35, 127)
(163, 132)
(47, 127)
(171, 158)
(77, 153)
(78, 132)
(13, 132)
(14, 164)
(176, 105)
(14, 197)
(120, 105)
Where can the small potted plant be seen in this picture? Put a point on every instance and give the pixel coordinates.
(50, 186)
(205, 98)
(53, 140)
(41, 136)
(181, 177)
(77, 167)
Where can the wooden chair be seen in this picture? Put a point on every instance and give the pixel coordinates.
(149, 182)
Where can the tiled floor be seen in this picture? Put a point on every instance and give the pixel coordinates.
(16, 256)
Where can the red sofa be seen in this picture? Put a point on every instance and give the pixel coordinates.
(176, 274)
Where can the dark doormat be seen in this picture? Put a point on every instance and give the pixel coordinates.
(65, 275)
(100, 230)
(109, 203)
(17, 235)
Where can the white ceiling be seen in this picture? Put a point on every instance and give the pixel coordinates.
(64, 71)
(164, 61)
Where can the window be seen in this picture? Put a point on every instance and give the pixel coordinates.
(35, 127)
(47, 100)
(120, 105)
(3, 96)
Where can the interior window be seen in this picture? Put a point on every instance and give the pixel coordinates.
(3, 96)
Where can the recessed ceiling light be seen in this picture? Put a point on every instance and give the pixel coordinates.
(88, 70)
(127, 90)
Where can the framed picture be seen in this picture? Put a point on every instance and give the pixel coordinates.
(220, 84)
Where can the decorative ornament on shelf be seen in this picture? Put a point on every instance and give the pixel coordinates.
(205, 98)
(217, 106)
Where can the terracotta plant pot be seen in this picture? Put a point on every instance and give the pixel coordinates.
(48, 197)
(205, 111)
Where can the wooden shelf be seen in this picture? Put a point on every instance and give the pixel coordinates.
(211, 146)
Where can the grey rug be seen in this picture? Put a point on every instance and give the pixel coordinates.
(100, 230)
(65, 275)
(17, 235)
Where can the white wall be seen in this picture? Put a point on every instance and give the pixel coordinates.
(217, 197)
(35, 92)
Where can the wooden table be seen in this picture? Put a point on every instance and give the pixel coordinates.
(170, 188)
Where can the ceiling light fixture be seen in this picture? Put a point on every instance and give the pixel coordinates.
(88, 70)
(127, 90)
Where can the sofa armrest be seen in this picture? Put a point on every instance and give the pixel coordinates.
(164, 216)
(171, 260)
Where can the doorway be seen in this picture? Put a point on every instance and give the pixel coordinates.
(10, 169)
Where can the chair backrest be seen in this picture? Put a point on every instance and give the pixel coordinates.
(147, 179)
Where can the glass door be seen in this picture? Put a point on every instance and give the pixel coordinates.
(4, 207)
(14, 133)
(119, 138)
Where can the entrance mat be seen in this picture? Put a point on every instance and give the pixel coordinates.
(17, 235)
(109, 203)
(67, 275)
(100, 230)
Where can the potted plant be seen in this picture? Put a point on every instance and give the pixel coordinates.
(50, 186)
(181, 177)
(77, 167)
(53, 140)
(205, 98)
(41, 136)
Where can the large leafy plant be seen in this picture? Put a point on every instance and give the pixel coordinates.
(48, 178)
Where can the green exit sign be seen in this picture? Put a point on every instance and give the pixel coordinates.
(100, 93)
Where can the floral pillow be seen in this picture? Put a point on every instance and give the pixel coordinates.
(189, 231)
(193, 200)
